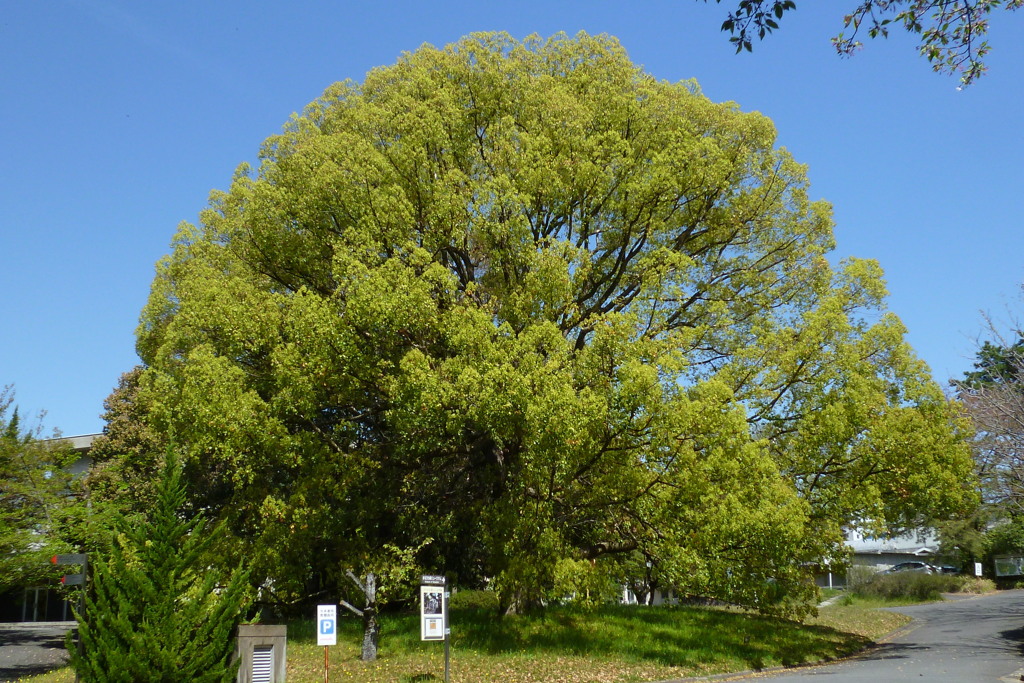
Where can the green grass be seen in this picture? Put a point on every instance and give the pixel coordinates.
(613, 644)
(63, 675)
(609, 645)
(862, 618)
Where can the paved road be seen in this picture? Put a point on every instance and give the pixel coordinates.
(961, 641)
(31, 648)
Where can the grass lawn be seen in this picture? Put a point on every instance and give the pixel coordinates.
(613, 644)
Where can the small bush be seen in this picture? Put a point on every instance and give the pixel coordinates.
(914, 586)
(474, 599)
(859, 576)
(975, 584)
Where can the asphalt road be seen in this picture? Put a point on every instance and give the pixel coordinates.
(31, 648)
(960, 641)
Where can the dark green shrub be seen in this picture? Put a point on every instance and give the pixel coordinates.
(474, 599)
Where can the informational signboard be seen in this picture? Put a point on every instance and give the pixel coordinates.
(977, 568)
(326, 624)
(433, 613)
(1009, 566)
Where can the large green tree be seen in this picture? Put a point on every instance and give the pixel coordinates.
(951, 32)
(526, 300)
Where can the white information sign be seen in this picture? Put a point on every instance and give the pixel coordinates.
(977, 568)
(433, 613)
(326, 624)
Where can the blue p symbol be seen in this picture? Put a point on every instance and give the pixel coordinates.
(326, 626)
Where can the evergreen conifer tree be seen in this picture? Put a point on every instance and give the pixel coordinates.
(156, 610)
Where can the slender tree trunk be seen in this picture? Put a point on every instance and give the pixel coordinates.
(371, 627)
(371, 635)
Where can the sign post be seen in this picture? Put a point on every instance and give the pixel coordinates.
(326, 632)
(82, 560)
(434, 615)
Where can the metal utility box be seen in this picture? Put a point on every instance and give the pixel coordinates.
(263, 651)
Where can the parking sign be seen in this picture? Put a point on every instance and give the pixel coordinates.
(326, 624)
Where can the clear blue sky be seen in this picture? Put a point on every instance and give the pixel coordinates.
(117, 118)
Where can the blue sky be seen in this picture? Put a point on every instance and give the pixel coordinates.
(117, 118)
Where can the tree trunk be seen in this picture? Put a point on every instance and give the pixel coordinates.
(520, 602)
(371, 635)
(371, 627)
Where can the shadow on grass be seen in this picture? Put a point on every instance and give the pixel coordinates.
(678, 637)
(671, 636)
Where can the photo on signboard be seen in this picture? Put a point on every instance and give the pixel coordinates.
(432, 602)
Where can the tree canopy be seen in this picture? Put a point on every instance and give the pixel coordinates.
(951, 32)
(127, 457)
(530, 302)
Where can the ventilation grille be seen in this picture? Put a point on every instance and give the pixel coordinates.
(262, 663)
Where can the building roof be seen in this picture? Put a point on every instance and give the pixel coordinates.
(82, 442)
(921, 542)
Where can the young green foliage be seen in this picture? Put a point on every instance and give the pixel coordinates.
(157, 608)
(526, 300)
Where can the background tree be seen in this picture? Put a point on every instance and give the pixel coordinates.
(126, 461)
(528, 301)
(389, 574)
(952, 32)
(128, 456)
(994, 397)
(160, 607)
(33, 488)
(998, 364)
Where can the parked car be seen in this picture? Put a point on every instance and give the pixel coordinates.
(919, 567)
